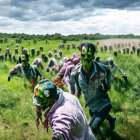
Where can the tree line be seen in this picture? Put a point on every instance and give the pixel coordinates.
(64, 38)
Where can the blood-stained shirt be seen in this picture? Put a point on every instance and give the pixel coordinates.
(94, 88)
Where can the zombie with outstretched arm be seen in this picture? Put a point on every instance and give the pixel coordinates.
(27, 71)
(114, 68)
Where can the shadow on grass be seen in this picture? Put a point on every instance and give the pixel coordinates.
(109, 135)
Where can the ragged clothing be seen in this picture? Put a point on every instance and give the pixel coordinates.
(114, 68)
(67, 74)
(30, 73)
(52, 62)
(94, 88)
(67, 117)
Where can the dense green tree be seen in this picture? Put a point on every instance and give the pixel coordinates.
(58, 36)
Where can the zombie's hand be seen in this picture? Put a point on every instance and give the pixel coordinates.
(63, 81)
(44, 123)
(9, 78)
(58, 136)
(78, 95)
(125, 78)
(42, 78)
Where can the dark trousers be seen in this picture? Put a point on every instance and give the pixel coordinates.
(99, 117)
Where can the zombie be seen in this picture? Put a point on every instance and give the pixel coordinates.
(24, 51)
(68, 71)
(138, 51)
(52, 62)
(63, 113)
(58, 66)
(115, 53)
(25, 70)
(38, 63)
(93, 80)
(58, 80)
(114, 68)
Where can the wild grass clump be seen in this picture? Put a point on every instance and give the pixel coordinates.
(8, 99)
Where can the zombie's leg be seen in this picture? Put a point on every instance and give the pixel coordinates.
(91, 113)
(99, 118)
(111, 120)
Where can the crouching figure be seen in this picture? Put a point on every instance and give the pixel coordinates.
(63, 113)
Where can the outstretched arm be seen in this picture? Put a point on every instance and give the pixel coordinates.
(38, 72)
(74, 84)
(15, 71)
(122, 73)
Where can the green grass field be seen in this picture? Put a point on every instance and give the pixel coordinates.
(17, 112)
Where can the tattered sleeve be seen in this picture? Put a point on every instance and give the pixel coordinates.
(120, 70)
(108, 76)
(72, 83)
(37, 71)
(15, 71)
(61, 123)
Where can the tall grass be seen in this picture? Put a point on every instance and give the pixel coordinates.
(17, 113)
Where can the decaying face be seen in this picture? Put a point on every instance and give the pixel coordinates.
(43, 97)
(86, 57)
(24, 61)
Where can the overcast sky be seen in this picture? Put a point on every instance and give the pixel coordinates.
(70, 16)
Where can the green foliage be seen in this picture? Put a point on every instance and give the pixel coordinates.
(17, 113)
(57, 36)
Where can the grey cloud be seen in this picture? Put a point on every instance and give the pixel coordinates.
(117, 4)
(112, 4)
(19, 10)
(71, 15)
(25, 10)
(4, 23)
(60, 10)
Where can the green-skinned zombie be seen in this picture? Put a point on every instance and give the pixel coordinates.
(63, 113)
(42, 95)
(24, 51)
(26, 71)
(86, 57)
(93, 80)
(24, 60)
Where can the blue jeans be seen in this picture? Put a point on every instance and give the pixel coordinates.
(99, 117)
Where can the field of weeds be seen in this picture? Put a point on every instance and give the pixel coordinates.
(17, 112)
